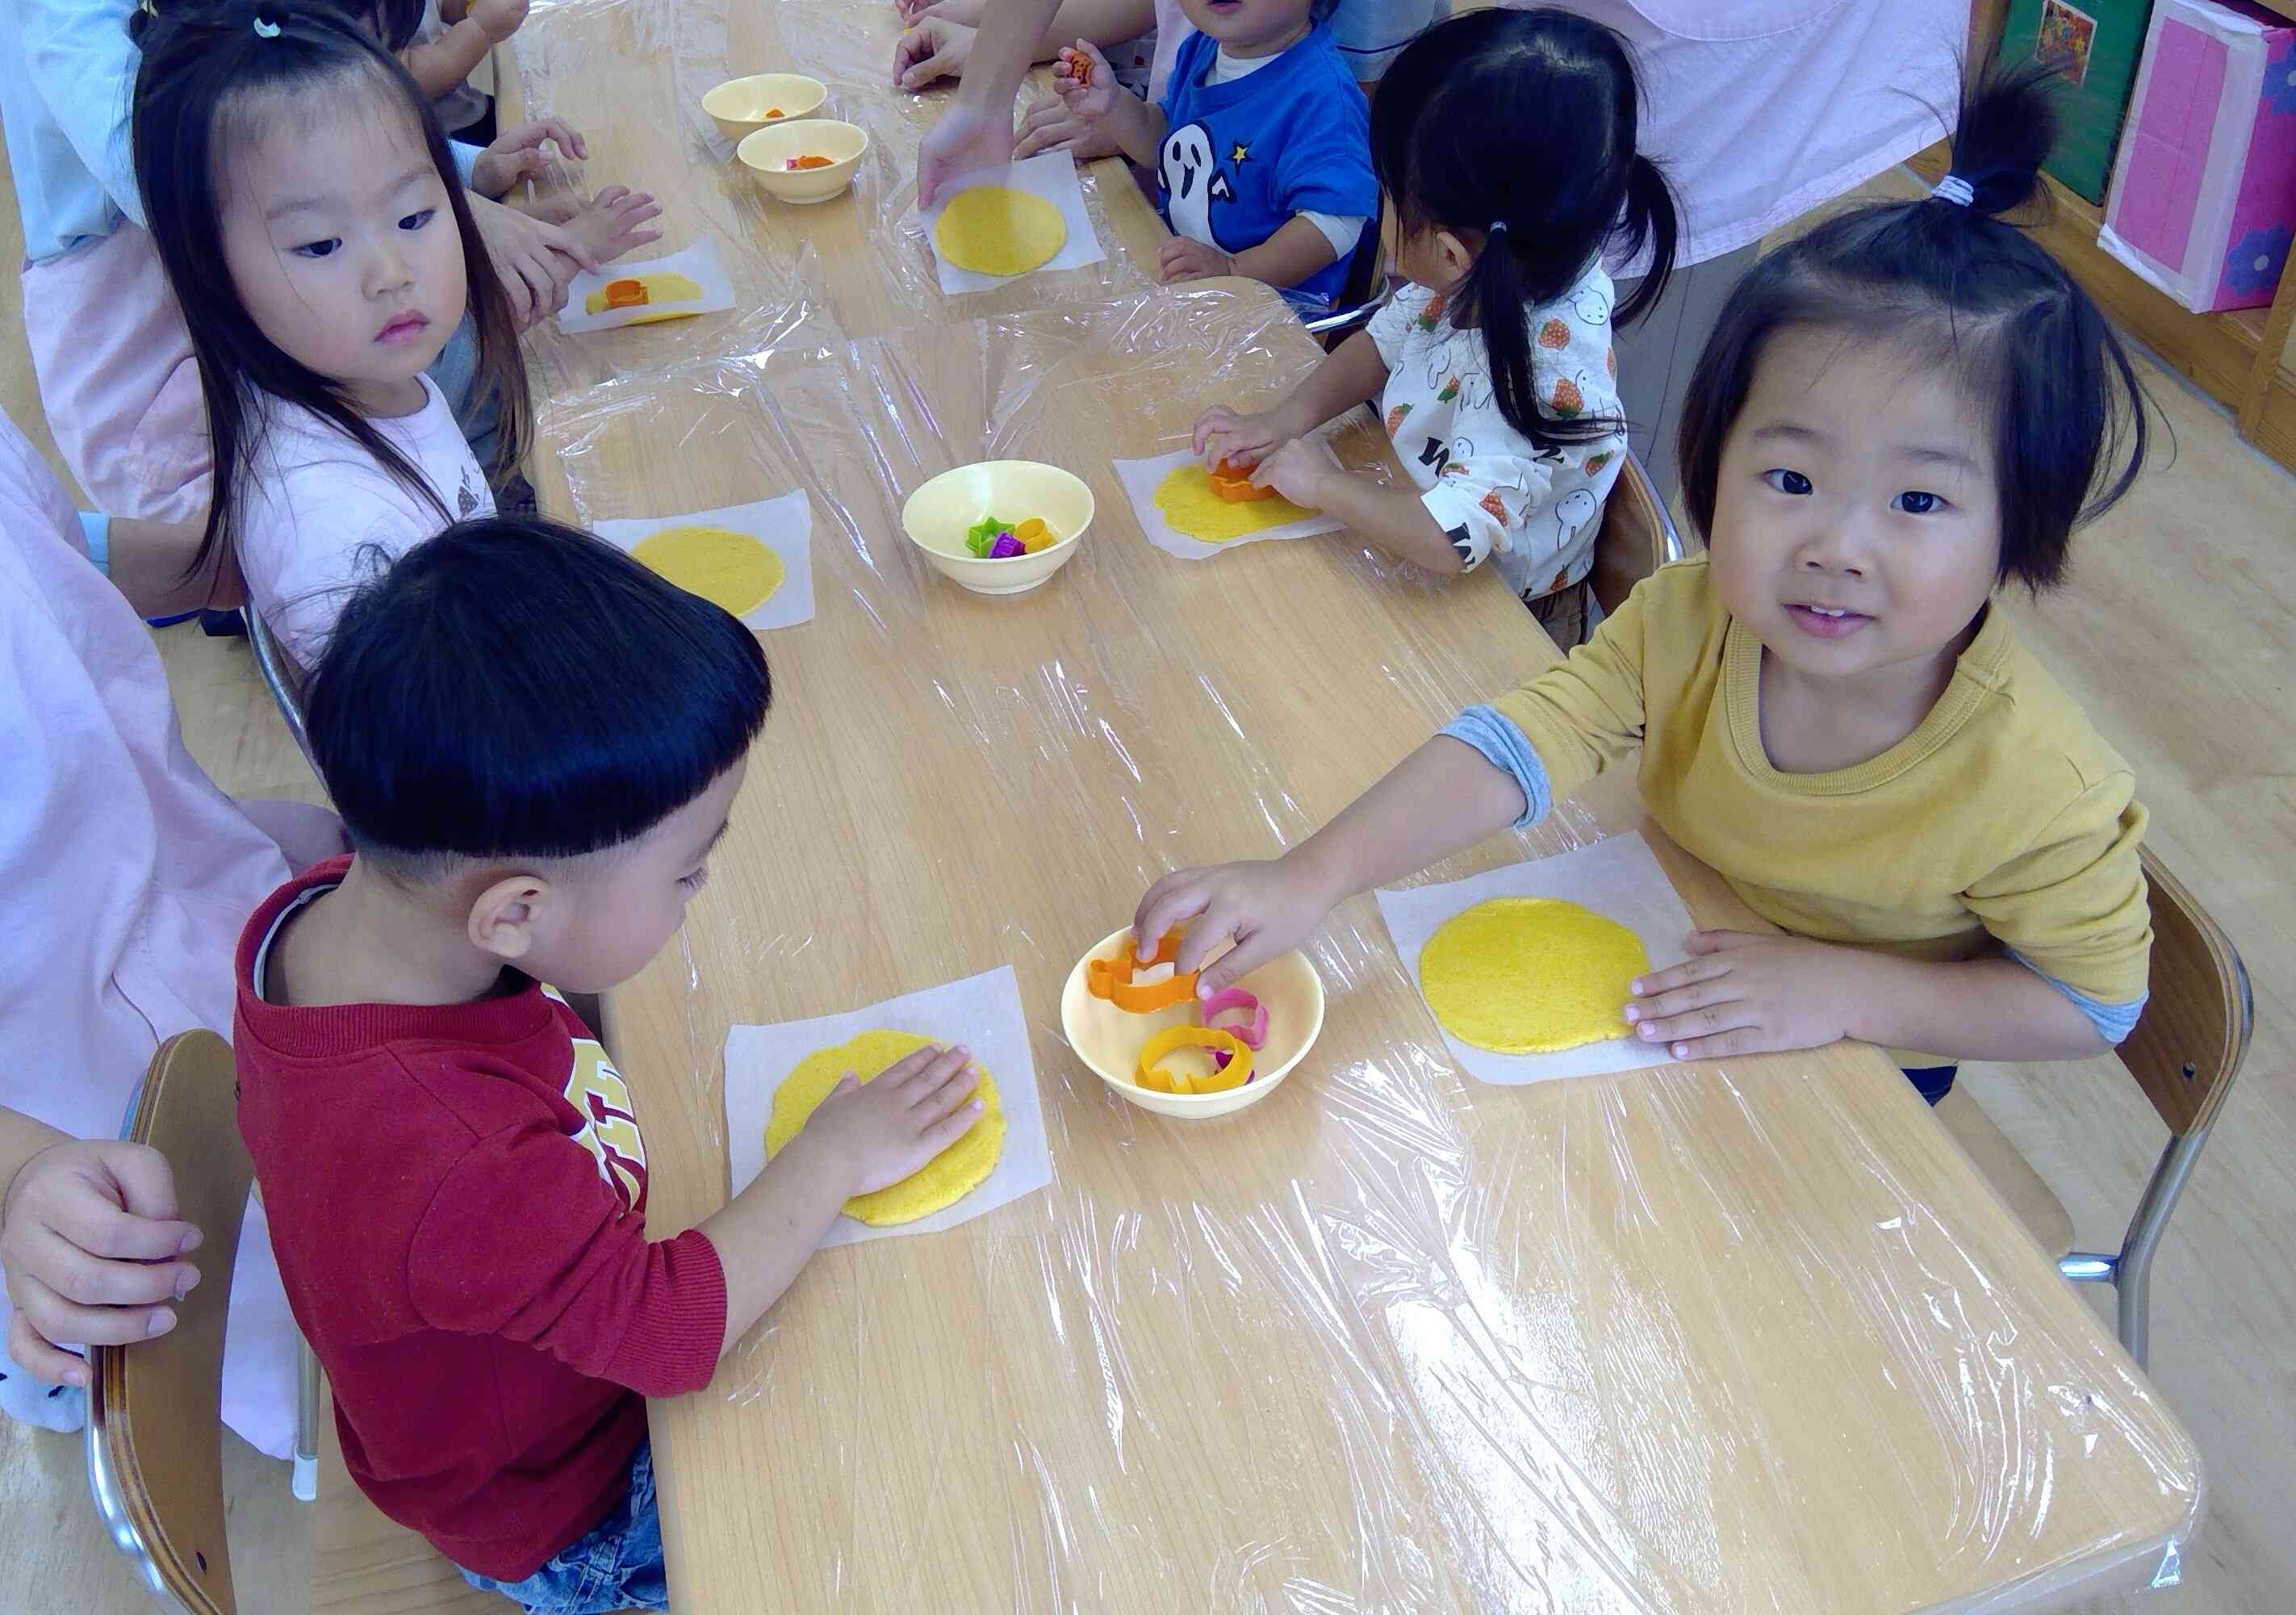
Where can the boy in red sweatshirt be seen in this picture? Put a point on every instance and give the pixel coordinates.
(534, 742)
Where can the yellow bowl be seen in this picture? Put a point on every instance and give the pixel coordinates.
(1109, 1039)
(738, 107)
(764, 153)
(937, 514)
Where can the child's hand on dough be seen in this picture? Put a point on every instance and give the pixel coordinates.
(881, 1131)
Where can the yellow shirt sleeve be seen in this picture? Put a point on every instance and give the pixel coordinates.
(2074, 905)
(1586, 713)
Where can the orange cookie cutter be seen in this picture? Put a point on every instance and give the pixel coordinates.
(1112, 978)
(1237, 486)
(1234, 1074)
(626, 295)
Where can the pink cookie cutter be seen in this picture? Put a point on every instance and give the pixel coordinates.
(1252, 1033)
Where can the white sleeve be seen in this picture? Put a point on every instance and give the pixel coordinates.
(307, 538)
(1393, 319)
(1484, 502)
(1339, 229)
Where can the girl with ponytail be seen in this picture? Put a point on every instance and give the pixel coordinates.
(1898, 416)
(1504, 145)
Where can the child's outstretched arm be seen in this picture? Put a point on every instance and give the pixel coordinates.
(866, 1135)
(1285, 258)
(1748, 994)
(1351, 373)
(1441, 799)
(440, 64)
(1395, 519)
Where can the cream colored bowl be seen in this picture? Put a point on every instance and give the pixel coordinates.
(764, 153)
(739, 106)
(1109, 1039)
(937, 515)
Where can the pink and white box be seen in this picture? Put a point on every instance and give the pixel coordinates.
(2204, 198)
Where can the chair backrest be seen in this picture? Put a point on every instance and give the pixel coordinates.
(2189, 1041)
(155, 1411)
(1636, 539)
(281, 676)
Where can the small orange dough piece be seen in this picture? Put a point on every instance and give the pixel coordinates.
(775, 112)
(1237, 486)
(1080, 70)
(808, 161)
(626, 295)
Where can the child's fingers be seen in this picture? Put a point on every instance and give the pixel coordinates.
(943, 1093)
(1177, 897)
(1656, 1006)
(1222, 920)
(1678, 975)
(42, 1361)
(1733, 1015)
(1722, 941)
(1250, 953)
(1746, 1040)
(949, 1128)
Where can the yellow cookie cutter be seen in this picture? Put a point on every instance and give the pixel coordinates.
(1112, 978)
(1233, 1075)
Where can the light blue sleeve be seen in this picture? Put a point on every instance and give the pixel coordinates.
(95, 532)
(466, 160)
(1508, 749)
(77, 55)
(2113, 1021)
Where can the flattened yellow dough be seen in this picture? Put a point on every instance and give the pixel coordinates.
(998, 230)
(1189, 506)
(1530, 975)
(662, 286)
(943, 1181)
(729, 568)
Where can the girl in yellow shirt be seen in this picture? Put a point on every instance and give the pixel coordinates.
(1896, 416)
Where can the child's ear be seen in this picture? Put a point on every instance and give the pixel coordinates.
(1454, 253)
(505, 915)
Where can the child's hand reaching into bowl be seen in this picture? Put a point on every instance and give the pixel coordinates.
(1266, 905)
(881, 1131)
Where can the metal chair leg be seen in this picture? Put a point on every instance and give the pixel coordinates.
(307, 1423)
(2134, 1280)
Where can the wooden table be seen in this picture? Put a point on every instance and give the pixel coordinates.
(1736, 1337)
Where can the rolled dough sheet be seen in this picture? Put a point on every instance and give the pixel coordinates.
(688, 281)
(983, 1012)
(1050, 176)
(998, 230)
(1530, 975)
(1617, 878)
(1142, 481)
(1193, 510)
(760, 553)
(941, 1182)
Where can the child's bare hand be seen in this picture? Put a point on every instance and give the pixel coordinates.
(1301, 471)
(499, 19)
(1265, 905)
(1085, 82)
(1048, 126)
(1750, 995)
(935, 48)
(1183, 259)
(611, 224)
(964, 11)
(1241, 440)
(518, 154)
(880, 1131)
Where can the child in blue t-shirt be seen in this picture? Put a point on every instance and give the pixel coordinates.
(1261, 145)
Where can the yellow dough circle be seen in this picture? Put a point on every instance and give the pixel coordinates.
(662, 286)
(1530, 975)
(1189, 506)
(726, 568)
(948, 1177)
(998, 230)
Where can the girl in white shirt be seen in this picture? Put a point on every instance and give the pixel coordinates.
(1505, 143)
(311, 223)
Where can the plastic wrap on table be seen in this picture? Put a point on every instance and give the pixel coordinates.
(1394, 1341)
(631, 74)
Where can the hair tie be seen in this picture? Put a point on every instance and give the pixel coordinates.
(147, 8)
(1954, 189)
(1497, 226)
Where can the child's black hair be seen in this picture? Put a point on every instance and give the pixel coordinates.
(516, 689)
(207, 84)
(1516, 129)
(1956, 283)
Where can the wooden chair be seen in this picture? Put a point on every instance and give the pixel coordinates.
(2185, 1050)
(155, 1410)
(1638, 536)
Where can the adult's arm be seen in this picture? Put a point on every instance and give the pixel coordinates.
(976, 132)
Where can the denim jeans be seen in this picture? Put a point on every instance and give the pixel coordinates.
(617, 1566)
